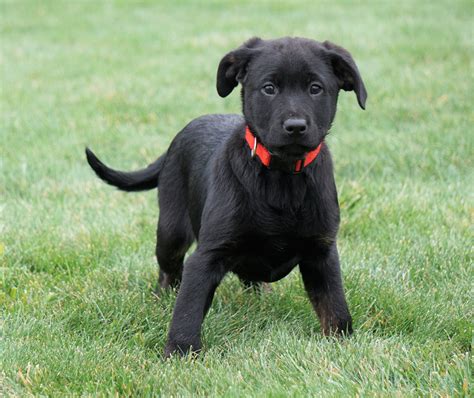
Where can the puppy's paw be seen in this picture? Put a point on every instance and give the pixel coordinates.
(182, 349)
(338, 327)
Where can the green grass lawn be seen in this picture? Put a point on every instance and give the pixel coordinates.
(76, 256)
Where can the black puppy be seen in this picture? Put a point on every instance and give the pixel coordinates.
(258, 191)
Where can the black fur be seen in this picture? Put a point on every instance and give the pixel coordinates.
(256, 222)
(140, 180)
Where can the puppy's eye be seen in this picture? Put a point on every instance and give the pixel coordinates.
(269, 89)
(315, 89)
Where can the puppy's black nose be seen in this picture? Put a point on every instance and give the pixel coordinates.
(295, 126)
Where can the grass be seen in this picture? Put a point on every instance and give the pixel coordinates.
(77, 265)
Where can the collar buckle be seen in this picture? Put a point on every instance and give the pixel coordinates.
(253, 151)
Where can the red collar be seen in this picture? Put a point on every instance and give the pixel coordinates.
(256, 148)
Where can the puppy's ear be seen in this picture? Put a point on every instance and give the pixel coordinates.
(346, 71)
(233, 67)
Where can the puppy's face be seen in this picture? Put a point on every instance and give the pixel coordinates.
(289, 89)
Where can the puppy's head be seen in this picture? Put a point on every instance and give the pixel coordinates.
(289, 89)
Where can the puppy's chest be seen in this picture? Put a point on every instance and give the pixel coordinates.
(273, 242)
(265, 258)
(296, 223)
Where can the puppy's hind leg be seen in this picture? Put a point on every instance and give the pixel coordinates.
(174, 237)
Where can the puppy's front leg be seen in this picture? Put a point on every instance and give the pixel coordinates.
(201, 276)
(322, 280)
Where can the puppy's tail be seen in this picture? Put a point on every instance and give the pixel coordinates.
(140, 180)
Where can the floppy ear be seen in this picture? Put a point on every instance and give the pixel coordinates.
(346, 71)
(233, 67)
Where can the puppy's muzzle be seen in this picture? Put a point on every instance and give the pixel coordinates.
(295, 128)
